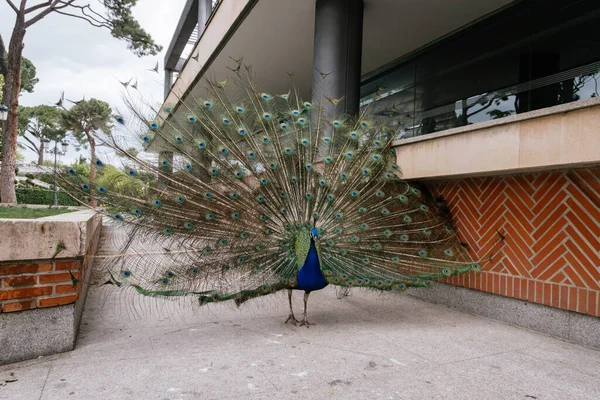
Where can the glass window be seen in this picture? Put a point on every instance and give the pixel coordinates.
(533, 55)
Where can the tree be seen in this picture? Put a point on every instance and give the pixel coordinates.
(84, 120)
(39, 123)
(116, 17)
(28, 79)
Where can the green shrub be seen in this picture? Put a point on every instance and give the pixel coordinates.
(47, 179)
(43, 196)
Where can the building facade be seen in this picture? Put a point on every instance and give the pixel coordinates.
(497, 102)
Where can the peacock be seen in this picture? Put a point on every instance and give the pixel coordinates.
(259, 193)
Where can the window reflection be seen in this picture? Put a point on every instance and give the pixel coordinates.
(534, 55)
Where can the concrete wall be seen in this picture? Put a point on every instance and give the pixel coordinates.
(578, 328)
(564, 136)
(43, 290)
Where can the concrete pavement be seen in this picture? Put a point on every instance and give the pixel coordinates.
(366, 345)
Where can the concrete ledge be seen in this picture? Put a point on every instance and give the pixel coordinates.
(563, 136)
(34, 239)
(574, 327)
(42, 298)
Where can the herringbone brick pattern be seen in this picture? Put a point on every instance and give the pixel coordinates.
(551, 221)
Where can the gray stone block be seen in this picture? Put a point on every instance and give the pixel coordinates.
(578, 328)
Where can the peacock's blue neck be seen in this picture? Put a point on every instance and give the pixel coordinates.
(310, 276)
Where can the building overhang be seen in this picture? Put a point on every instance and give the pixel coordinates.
(276, 37)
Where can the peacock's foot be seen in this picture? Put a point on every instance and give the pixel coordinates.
(292, 319)
(306, 323)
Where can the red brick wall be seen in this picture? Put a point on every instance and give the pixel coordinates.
(25, 285)
(551, 221)
(39, 284)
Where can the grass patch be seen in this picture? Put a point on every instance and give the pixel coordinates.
(31, 213)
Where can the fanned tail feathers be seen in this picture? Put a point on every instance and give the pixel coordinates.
(250, 174)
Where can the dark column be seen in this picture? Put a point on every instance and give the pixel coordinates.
(168, 81)
(204, 11)
(337, 50)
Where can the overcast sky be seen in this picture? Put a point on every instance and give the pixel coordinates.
(73, 56)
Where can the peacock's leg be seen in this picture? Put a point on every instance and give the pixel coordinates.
(291, 317)
(305, 320)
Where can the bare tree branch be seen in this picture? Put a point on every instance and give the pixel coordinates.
(91, 22)
(11, 4)
(37, 7)
(47, 11)
(32, 143)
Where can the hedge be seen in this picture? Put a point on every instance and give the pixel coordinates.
(43, 196)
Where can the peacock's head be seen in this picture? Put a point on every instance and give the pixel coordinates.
(314, 233)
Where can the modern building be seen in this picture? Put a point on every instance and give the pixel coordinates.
(499, 107)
